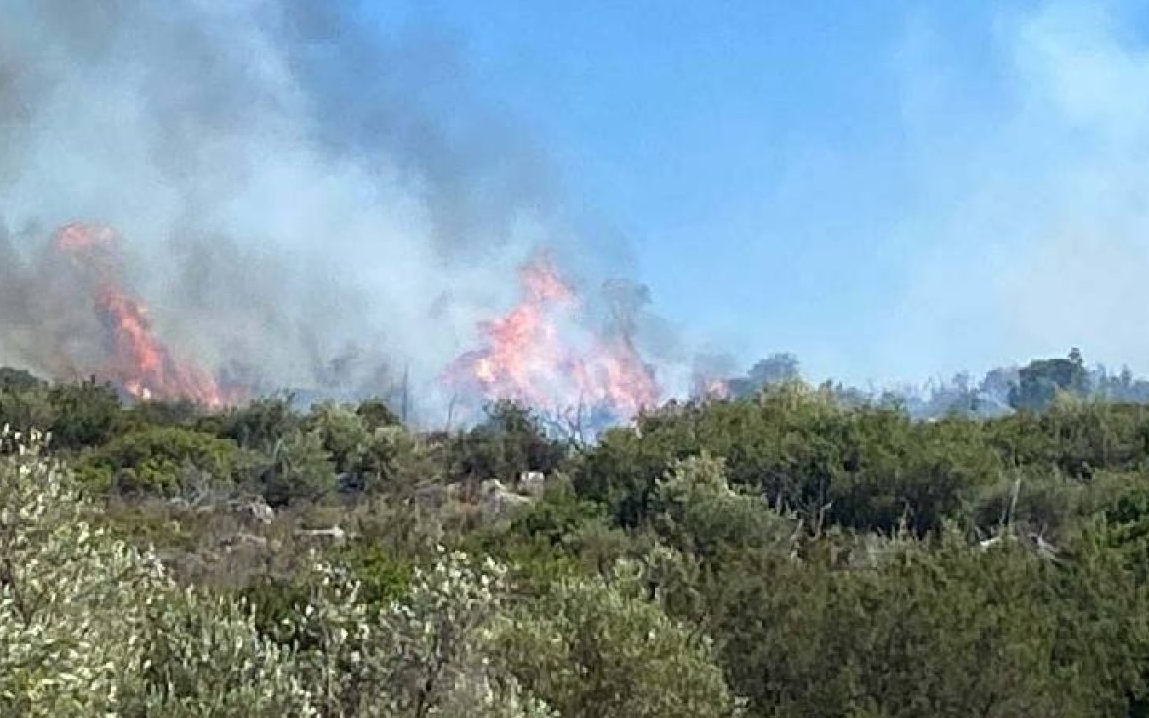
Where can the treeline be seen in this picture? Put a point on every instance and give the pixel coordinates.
(782, 554)
(1000, 391)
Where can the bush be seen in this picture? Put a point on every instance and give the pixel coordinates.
(89, 626)
(594, 648)
(84, 415)
(151, 460)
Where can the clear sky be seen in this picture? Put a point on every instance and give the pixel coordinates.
(891, 190)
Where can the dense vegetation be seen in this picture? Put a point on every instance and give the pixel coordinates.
(782, 554)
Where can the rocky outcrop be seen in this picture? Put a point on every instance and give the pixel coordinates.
(496, 499)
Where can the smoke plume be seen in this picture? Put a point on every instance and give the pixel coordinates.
(301, 203)
(1033, 202)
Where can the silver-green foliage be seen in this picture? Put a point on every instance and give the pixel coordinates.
(600, 648)
(420, 657)
(92, 627)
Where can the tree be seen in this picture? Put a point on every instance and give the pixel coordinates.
(153, 460)
(260, 425)
(85, 414)
(24, 407)
(942, 630)
(510, 441)
(19, 380)
(776, 369)
(299, 468)
(1041, 381)
(342, 433)
(595, 648)
(376, 414)
(697, 512)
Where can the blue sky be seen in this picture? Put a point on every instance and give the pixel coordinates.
(891, 190)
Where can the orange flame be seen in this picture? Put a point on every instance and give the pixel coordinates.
(529, 360)
(140, 363)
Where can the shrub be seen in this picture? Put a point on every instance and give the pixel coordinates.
(151, 460)
(594, 648)
(90, 626)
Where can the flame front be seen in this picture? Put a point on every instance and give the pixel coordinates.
(140, 364)
(529, 360)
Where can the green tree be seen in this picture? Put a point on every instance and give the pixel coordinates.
(260, 425)
(85, 414)
(594, 648)
(19, 380)
(153, 460)
(1043, 379)
(376, 414)
(24, 407)
(299, 467)
(342, 433)
(699, 513)
(947, 630)
(510, 441)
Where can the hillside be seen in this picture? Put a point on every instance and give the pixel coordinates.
(777, 555)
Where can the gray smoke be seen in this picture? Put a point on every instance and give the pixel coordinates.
(302, 203)
(39, 319)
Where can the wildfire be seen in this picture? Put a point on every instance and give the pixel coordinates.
(528, 357)
(139, 363)
(79, 239)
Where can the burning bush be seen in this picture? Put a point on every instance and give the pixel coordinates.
(541, 356)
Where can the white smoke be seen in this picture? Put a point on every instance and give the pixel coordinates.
(1034, 206)
(298, 198)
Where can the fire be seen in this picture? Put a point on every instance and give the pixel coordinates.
(529, 359)
(79, 239)
(140, 363)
